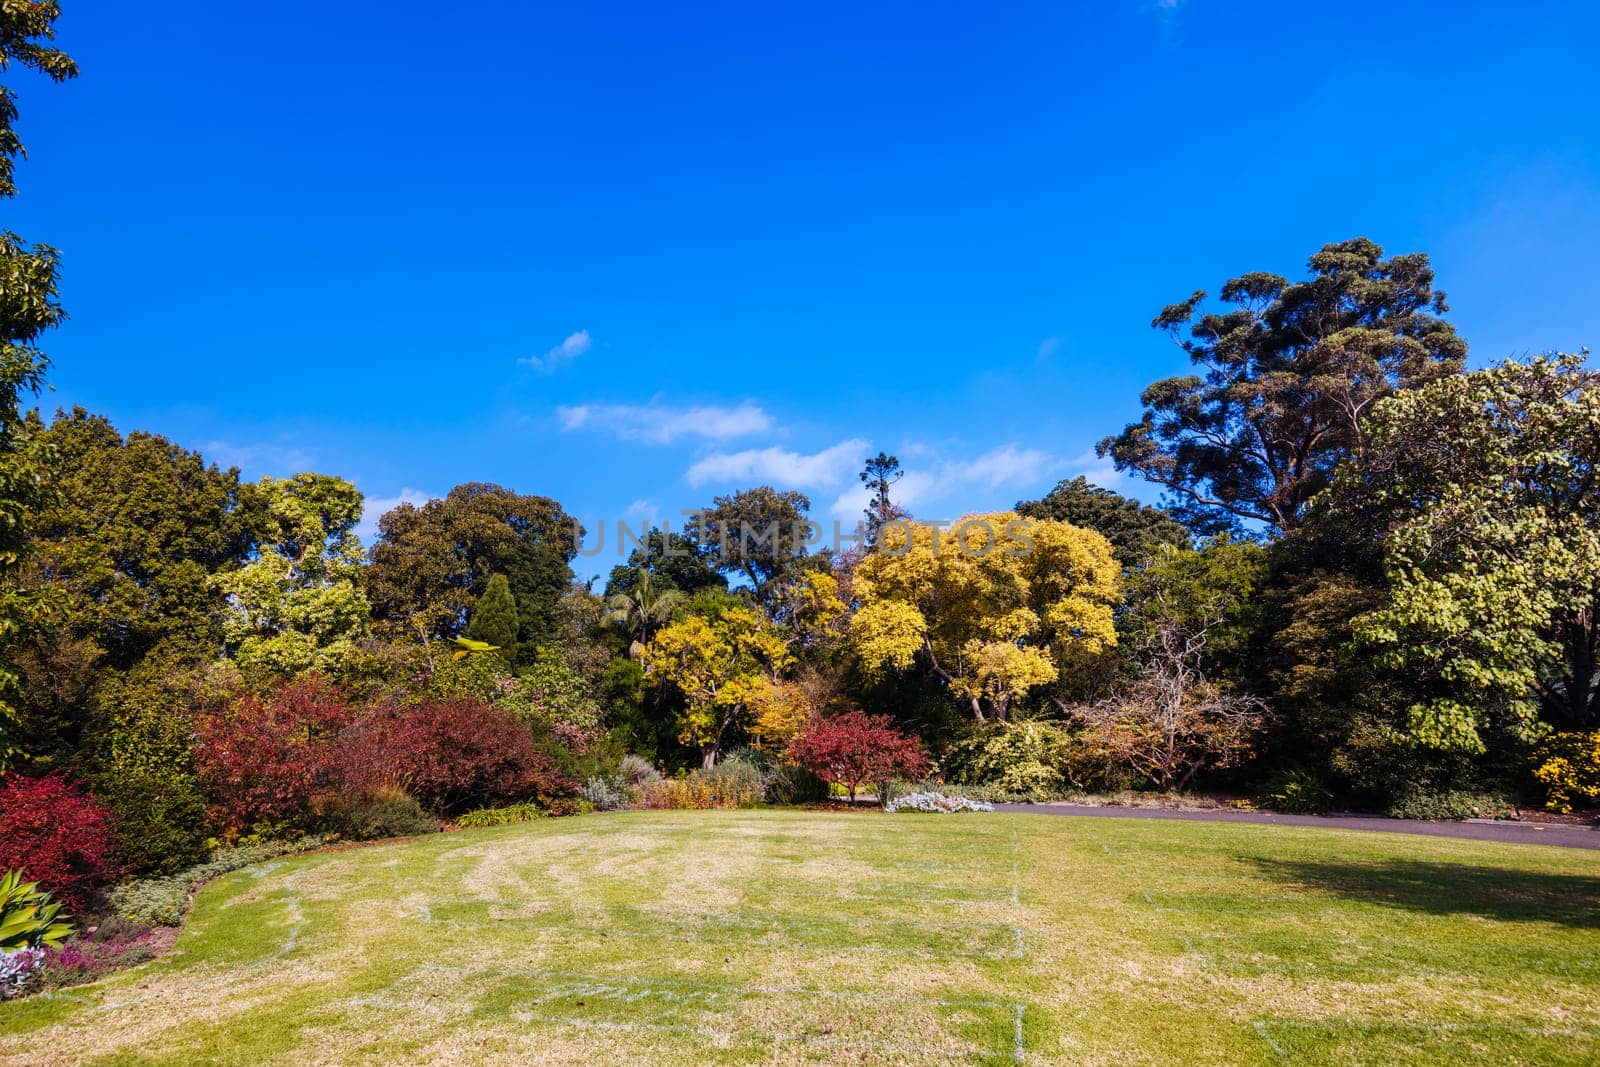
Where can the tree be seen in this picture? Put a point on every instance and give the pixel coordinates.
(431, 563)
(298, 604)
(29, 305)
(1485, 489)
(134, 532)
(1135, 530)
(994, 606)
(753, 533)
(853, 747)
(1289, 376)
(881, 472)
(672, 561)
(643, 606)
(716, 659)
(1171, 722)
(125, 548)
(494, 619)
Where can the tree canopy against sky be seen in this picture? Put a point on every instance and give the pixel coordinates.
(1135, 530)
(1486, 487)
(29, 306)
(1286, 377)
(431, 562)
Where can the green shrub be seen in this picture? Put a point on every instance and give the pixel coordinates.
(738, 777)
(1014, 757)
(789, 784)
(383, 813)
(501, 816)
(1296, 792)
(163, 901)
(162, 823)
(1450, 805)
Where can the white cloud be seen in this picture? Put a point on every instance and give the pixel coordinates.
(279, 457)
(1101, 472)
(1048, 347)
(1007, 466)
(780, 467)
(660, 424)
(644, 512)
(575, 345)
(375, 507)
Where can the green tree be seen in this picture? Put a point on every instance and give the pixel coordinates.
(671, 560)
(879, 476)
(298, 604)
(1135, 530)
(1289, 375)
(126, 548)
(431, 563)
(1485, 488)
(29, 306)
(643, 607)
(753, 533)
(494, 618)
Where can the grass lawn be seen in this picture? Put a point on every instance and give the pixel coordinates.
(786, 936)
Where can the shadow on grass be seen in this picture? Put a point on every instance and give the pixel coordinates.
(1451, 889)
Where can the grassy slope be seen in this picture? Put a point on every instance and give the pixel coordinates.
(798, 937)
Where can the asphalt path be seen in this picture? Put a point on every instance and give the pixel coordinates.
(1518, 833)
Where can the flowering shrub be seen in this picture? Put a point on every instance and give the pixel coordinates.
(451, 755)
(16, 967)
(937, 803)
(56, 835)
(111, 946)
(1570, 770)
(264, 759)
(854, 748)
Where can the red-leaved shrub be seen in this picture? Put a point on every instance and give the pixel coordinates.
(265, 759)
(855, 747)
(450, 756)
(57, 835)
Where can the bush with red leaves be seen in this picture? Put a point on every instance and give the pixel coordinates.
(57, 835)
(264, 759)
(854, 748)
(451, 756)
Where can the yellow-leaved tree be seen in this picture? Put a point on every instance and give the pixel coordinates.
(718, 661)
(995, 605)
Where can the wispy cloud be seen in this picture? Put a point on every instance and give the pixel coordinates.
(1048, 347)
(781, 467)
(662, 424)
(575, 345)
(280, 456)
(1005, 467)
(375, 507)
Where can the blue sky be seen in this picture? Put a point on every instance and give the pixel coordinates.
(634, 256)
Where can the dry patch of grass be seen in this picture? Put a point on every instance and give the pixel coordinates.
(807, 937)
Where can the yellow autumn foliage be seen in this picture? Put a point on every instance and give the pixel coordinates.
(997, 603)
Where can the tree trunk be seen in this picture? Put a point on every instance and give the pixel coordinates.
(708, 756)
